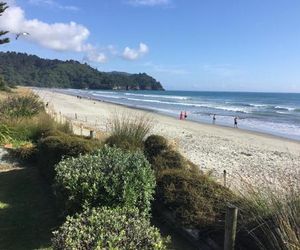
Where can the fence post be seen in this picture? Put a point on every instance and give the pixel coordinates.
(60, 117)
(224, 176)
(230, 227)
(92, 135)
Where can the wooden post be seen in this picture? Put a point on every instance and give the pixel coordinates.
(224, 176)
(60, 118)
(92, 135)
(230, 227)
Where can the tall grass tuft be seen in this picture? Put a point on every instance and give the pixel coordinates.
(272, 217)
(129, 132)
(21, 106)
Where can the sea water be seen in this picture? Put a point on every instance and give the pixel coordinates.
(272, 113)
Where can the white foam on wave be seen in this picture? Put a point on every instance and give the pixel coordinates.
(206, 105)
(277, 128)
(234, 109)
(160, 96)
(285, 107)
(258, 105)
(107, 96)
(100, 92)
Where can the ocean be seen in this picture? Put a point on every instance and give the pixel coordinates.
(273, 113)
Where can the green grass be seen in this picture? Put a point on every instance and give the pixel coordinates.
(27, 214)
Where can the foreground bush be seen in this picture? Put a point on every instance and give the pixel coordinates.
(194, 199)
(104, 228)
(129, 132)
(110, 177)
(51, 149)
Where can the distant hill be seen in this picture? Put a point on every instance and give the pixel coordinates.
(30, 70)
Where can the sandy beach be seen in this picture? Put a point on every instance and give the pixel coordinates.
(258, 158)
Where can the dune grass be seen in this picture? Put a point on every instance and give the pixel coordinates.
(129, 132)
(272, 217)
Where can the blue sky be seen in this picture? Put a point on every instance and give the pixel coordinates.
(231, 45)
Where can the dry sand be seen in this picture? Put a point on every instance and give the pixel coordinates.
(258, 158)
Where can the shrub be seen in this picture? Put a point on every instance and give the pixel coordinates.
(20, 106)
(195, 200)
(53, 148)
(129, 132)
(155, 145)
(168, 159)
(104, 228)
(110, 177)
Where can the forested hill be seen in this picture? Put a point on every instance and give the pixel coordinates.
(30, 70)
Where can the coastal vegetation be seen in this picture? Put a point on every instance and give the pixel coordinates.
(105, 228)
(132, 176)
(29, 70)
(109, 177)
(128, 132)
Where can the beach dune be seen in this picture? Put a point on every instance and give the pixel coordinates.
(246, 156)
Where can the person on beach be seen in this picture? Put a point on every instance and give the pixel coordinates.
(235, 122)
(185, 115)
(181, 116)
(214, 118)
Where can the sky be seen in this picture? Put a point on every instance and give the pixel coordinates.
(206, 45)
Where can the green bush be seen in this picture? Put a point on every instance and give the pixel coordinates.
(110, 177)
(104, 228)
(154, 146)
(168, 159)
(128, 132)
(194, 199)
(52, 148)
(20, 106)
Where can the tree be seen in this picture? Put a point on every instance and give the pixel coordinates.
(3, 7)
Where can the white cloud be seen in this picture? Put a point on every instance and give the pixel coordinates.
(95, 56)
(134, 54)
(58, 36)
(53, 4)
(148, 2)
(62, 36)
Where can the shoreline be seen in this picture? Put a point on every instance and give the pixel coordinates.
(246, 155)
(201, 120)
(249, 131)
